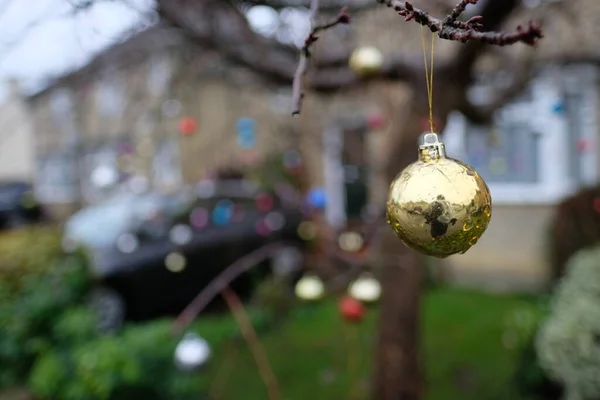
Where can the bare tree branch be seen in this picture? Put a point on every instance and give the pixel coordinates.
(451, 29)
(297, 85)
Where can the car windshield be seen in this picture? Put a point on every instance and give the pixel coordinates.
(100, 225)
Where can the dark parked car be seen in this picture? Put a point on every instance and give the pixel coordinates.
(18, 205)
(153, 253)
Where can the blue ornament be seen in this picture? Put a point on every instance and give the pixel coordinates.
(317, 198)
(558, 108)
(246, 128)
(223, 212)
(246, 141)
(246, 125)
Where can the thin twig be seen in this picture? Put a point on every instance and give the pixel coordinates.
(223, 373)
(249, 334)
(297, 86)
(210, 291)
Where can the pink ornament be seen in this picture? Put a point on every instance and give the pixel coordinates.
(199, 218)
(376, 121)
(262, 228)
(584, 145)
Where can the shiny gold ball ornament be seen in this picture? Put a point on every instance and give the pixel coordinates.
(438, 205)
(366, 60)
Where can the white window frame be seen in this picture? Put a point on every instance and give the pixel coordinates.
(553, 162)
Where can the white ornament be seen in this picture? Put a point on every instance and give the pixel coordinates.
(366, 60)
(191, 353)
(366, 288)
(310, 287)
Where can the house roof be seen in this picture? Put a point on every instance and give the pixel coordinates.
(136, 45)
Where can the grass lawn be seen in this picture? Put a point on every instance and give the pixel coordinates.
(470, 348)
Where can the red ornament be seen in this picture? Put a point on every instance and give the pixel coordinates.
(376, 121)
(188, 125)
(264, 202)
(351, 309)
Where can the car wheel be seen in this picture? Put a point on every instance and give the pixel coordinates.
(109, 307)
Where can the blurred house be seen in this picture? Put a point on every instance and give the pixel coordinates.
(17, 160)
(155, 109)
(126, 106)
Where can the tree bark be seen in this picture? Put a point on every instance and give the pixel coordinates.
(397, 368)
(397, 373)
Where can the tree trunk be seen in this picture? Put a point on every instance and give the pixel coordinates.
(397, 372)
(397, 365)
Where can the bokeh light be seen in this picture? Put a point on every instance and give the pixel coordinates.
(275, 220)
(351, 241)
(199, 218)
(264, 202)
(175, 262)
(223, 212)
(317, 198)
(127, 243)
(181, 234)
(307, 230)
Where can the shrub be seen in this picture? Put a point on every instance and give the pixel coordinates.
(37, 284)
(568, 343)
(575, 226)
(137, 360)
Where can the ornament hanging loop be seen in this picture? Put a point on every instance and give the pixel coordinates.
(432, 148)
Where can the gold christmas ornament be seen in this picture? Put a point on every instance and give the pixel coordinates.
(438, 205)
(366, 60)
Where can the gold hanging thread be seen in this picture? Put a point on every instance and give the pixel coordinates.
(429, 74)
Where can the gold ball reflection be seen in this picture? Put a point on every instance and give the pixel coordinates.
(438, 205)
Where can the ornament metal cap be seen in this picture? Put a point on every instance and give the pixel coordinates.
(431, 149)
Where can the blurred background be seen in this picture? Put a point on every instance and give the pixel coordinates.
(170, 231)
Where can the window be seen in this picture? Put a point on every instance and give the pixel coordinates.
(159, 74)
(61, 104)
(100, 174)
(110, 93)
(167, 165)
(56, 179)
(540, 147)
(508, 152)
(62, 108)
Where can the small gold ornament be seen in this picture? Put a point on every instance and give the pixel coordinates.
(438, 205)
(366, 60)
